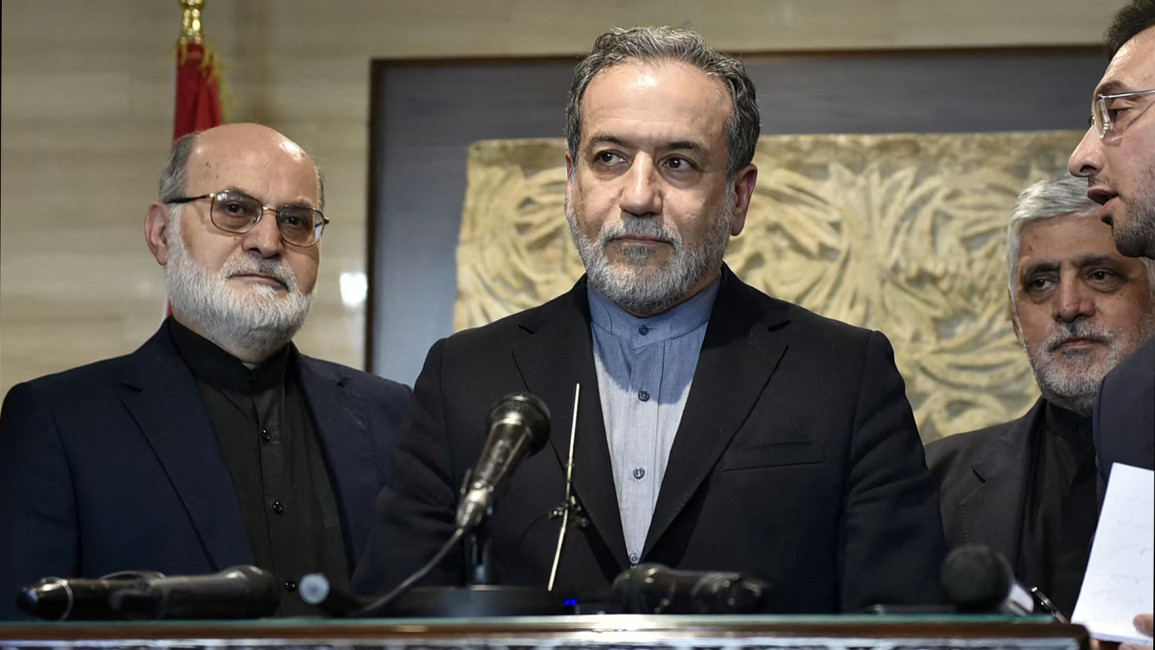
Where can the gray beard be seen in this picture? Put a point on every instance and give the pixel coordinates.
(1068, 379)
(631, 285)
(249, 325)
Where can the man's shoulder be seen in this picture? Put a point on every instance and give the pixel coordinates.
(515, 326)
(83, 378)
(359, 380)
(970, 445)
(775, 311)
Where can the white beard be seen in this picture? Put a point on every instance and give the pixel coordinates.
(249, 323)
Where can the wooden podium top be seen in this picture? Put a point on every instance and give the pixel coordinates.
(571, 632)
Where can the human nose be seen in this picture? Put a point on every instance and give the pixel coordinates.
(642, 193)
(265, 236)
(1087, 158)
(1073, 301)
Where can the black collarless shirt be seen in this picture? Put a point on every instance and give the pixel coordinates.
(269, 444)
(1062, 507)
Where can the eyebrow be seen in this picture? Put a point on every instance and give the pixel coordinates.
(1093, 259)
(1112, 87)
(676, 145)
(296, 203)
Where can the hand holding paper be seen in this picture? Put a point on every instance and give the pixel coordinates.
(1118, 584)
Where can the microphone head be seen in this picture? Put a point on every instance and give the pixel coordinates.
(47, 599)
(529, 409)
(631, 588)
(976, 578)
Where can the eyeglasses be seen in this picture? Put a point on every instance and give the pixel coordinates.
(237, 212)
(1103, 110)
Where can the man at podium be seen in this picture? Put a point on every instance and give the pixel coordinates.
(216, 443)
(716, 428)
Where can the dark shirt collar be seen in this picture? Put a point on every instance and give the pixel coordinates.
(1070, 426)
(211, 364)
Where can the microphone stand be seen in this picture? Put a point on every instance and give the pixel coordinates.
(480, 597)
(480, 553)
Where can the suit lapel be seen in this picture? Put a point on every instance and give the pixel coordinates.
(344, 435)
(739, 353)
(558, 355)
(160, 393)
(992, 512)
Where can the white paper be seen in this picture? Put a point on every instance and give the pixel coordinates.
(1118, 583)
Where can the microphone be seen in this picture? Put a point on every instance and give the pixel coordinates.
(237, 592)
(656, 589)
(977, 578)
(518, 425)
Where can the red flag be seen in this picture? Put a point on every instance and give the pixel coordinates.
(198, 98)
(198, 93)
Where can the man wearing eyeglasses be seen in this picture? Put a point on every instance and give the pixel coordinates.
(1117, 157)
(216, 443)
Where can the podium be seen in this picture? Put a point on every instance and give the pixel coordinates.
(593, 632)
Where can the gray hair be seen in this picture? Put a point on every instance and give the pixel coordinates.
(174, 174)
(1055, 197)
(652, 44)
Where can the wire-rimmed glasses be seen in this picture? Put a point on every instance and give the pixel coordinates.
(1103, 107)
(236, 212)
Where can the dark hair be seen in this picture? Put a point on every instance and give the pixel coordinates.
(1137, 16)
(619, 46)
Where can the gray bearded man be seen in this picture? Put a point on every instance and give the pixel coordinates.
(1028, 487)
(216, 443)
(717, 428)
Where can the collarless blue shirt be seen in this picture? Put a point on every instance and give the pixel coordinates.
(645, 367)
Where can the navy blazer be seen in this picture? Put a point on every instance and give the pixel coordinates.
(797, 460)
(115, 466)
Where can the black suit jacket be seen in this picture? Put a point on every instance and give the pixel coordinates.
(1124, 418)
(114, 466)
(983, 480)
(797, 460)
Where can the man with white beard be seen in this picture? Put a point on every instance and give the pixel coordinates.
(1027, 487)
(216, 443)
(717, 428)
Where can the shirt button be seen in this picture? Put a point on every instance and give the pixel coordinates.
(643, 330)
(643, 395)
(278, 507)
(634, 558)
(290, 585)
(639, 472)
(265, 435)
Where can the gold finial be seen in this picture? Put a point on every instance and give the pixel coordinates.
(190, 30)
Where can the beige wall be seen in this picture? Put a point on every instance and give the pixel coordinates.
(87, 117)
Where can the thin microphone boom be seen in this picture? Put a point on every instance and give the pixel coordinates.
(567, 505)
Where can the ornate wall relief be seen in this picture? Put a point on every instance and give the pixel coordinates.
(900, 233)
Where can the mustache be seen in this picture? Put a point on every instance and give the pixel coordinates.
(640, 227)
(1078, 330)
(272, 267)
